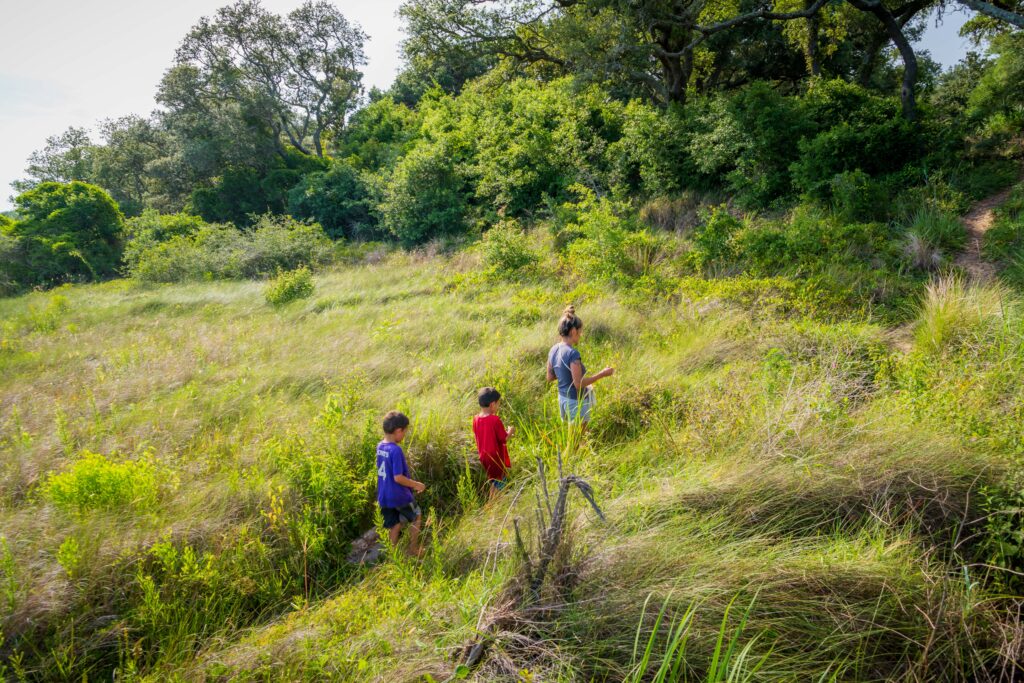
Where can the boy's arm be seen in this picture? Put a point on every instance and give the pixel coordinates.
(502, 433)
(408, 483)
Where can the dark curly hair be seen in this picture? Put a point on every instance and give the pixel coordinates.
(395, 420)
(487, 396)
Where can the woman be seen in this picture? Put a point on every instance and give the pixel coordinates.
(575, 397)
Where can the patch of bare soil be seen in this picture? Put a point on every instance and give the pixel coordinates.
(977, 221)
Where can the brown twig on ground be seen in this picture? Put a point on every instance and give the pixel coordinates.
(551, 533)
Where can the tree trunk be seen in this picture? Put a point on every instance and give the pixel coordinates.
(813, 57)
(676, 75)
(867, 64)
(317, 145)
(908, 97)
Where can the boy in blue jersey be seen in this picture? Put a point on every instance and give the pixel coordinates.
(394, 487)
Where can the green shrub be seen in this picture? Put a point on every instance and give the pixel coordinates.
(222, 251)
(983, 178)
(94, 482)
(653, 156)
(610, 244)
(289, 286)
(69, 556)
(748, 141)
(338, 199)
(66, 232)
(12, 278)
(152, 228)
(426, 196)
(232, 198)
(857, 197)
(996, 105)
(379, 134)
(1001, 544)
(506, 249)
(713, 241)
(335, 488)
(876, 147)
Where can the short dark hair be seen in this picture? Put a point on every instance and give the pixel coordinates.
(569, 322)
(487, 396)
(395, 420)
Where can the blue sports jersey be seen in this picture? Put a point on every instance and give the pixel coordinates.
(391, 461)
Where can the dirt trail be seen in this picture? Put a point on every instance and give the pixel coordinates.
(977, 221)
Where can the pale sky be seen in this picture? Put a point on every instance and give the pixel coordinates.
(73, 63)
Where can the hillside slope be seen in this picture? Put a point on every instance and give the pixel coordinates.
(182, 467)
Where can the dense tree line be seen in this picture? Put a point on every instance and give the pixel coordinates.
(503, 107)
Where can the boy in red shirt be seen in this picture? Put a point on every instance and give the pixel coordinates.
(491, 437)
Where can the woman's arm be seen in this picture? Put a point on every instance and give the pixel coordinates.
(581, 382)
(551, 373)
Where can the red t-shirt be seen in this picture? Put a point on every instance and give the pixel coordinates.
(490, 443)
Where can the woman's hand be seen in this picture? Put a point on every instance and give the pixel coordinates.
(607, 372)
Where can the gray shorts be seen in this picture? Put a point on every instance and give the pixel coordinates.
(574, 410)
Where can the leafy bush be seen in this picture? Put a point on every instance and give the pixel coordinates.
(11, 275)
(653, 156)
(94, 482)
(338, 199)
(335, 488)
(997, 103)
(1002, 545)
(532, 140)
(983, 178)
(222, 251)
(506, 249)
(875, 147)
(858, 197)
(426, 196)
(712, 241)
(609, 243)
(232, 197)
(748, 141)
(151, 228)
(289, 286)
(66, 232)
(379, 134)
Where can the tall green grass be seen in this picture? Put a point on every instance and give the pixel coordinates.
(788, 496)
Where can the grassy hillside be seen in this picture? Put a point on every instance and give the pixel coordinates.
(800, 481)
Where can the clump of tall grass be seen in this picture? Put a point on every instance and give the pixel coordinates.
(922, 253)
(673, 214)
(955, 313)
(943, 231)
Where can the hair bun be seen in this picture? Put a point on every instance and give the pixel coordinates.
(570, 310)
